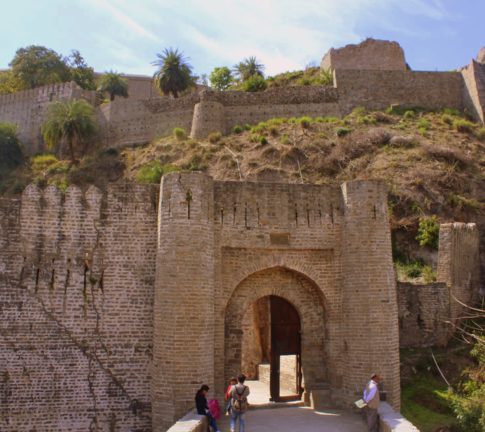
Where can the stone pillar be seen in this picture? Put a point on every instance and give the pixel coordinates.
(208, 117)
(183, 345)
(370, 315)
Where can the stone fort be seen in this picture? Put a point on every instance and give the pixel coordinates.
(117, 305)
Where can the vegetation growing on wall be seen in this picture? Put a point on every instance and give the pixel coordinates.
(35, 66)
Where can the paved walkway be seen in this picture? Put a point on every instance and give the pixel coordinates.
(298, 419)
(292, 418)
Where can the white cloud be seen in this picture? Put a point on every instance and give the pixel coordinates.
(114, 10)
(282, 34)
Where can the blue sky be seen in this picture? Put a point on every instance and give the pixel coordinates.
(125, 35)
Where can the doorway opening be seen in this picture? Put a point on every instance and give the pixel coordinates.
(271, 348)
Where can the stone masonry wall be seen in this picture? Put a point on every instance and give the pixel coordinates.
(380, 89)
(458, 264)
(370, 54)
(27, 110)
(76, 295)
(423, 310)
(427, 310)
(474, 89)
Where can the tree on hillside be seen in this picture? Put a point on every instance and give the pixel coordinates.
(113, 84)
(174, 74)
(36, 66)
(69, 123)
(81, 73)
(248, 68)
(221, 78)
(10, 151)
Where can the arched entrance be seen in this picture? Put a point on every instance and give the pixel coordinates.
(275, 322)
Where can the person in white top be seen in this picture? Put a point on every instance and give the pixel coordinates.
(371, 397)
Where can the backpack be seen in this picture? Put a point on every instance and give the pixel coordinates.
(239, 402)
(214, 408)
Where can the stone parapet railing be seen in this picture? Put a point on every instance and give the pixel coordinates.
(190, 422)
(392, 421)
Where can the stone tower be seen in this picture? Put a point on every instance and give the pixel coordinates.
(183, 353)
(371, 341)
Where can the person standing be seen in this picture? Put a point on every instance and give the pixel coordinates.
(239, 404)
(371, 397)
(203, 407)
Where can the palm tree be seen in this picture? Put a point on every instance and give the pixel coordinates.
(248, 68)
(71, 122)
(174, 74)
(114, 84)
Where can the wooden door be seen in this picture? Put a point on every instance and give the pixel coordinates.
(285, 340)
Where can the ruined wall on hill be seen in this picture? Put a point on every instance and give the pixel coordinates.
(474, 89)
(370, 54)
(380, 89)
(423, 310)
(27, 110)
(427, 310)
(76, 295)
(127, 122)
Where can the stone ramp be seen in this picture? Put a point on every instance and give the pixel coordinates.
(301, 419)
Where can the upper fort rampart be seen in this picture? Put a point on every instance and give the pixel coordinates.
(373, 74)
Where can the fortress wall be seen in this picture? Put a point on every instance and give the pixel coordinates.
(423, 308)
(76, 296)
(128, 122)
(474, 89)
(458, 264)
(27, 109)
(380, 89)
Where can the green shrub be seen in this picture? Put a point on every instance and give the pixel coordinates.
(409, 114)
(429, 275)
(480, 133)
(451, 112)
(10, 152)
(237, 129)
(468, 401)
(247, 127)
(43, 161)
(305, 122)
(342, 131)
(60, 167)
(179, 133)
(428, 232)
(153, 171)
(368, 119)
(326, 77)
(273, 130)
(447, 119)
(463, 126)
(396, 110)
(285, 139)
(423, 124)
(214, 137)
(358, 111)
(254, 83)
(263, 140)
(463, 202)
